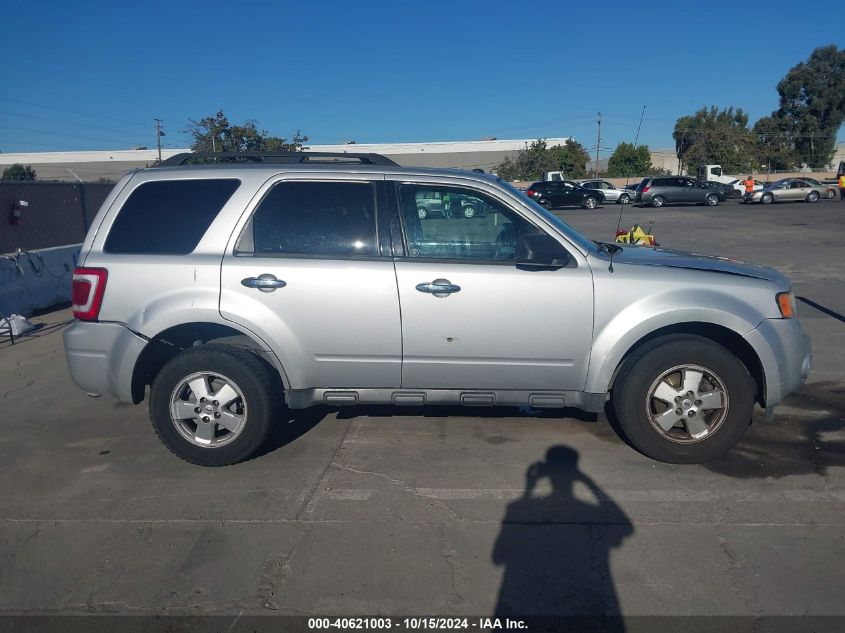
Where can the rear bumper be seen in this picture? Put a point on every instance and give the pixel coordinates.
(786, 355)
(101, 357)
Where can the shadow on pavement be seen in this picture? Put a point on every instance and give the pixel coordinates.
(555, 548)
(792, 444)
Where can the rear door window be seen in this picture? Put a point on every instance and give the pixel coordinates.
(168, 217)
(317, 219)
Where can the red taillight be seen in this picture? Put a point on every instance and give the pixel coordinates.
(530, 193)
(645, 189)
(89, 285)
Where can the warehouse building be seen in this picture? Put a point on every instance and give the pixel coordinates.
(112, 165)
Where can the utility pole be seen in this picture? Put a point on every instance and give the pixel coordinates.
(159, 134)
(598, 142)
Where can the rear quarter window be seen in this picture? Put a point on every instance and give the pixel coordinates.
(168, 217)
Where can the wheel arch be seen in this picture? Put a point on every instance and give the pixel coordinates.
(720, 334)
(172, 340)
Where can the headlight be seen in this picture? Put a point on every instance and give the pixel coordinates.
(786, 304)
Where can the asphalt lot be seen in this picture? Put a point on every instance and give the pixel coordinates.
(397, 511)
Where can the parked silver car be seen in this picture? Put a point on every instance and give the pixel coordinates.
(611, 192)
(232, 290)
(789, 189)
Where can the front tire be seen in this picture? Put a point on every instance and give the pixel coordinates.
(624, 199)
(767, 198)
(590, 203)
(711, 200)
(422, 213)
(658, 201)
(813, 196)
(683, 399)
(214, 405)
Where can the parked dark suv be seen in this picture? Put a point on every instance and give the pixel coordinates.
(659, 190)
(561, 193)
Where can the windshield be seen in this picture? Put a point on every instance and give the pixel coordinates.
(551, 218)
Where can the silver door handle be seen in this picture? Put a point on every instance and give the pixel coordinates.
(264, 283)
(439, 287)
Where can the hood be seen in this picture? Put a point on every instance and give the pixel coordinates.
(667, 258)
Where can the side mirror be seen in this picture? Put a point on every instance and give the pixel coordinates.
(539, 250)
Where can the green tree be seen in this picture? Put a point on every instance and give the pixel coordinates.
(216, 134)
(712, 136)
(537, 158)
(17, 171)
(628, 160)
(774, 148)
(812, 105)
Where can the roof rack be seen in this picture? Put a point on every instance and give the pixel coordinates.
(284, 158)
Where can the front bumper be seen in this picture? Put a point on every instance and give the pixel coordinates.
(786, 355)
(101, 357)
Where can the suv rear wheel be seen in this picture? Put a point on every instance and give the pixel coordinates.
(658, 201)
(214, 405)
(683, 399)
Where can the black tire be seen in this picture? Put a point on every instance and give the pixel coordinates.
(711, 200)
(630, 397)
(736, 193)
(545, 204)
(813, 196)
(590, 202)
(422, 213)
(767, 198)
(624, 199)
(259, 384)
(658, 201)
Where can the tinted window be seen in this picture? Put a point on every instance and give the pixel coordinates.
(663, 182)
(316, 218)
(168, 217)
(473, 226)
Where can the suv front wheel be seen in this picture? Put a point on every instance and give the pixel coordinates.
(683, 399)
(214, 405)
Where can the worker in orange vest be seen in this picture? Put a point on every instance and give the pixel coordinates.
(842, 188)
(749, 185)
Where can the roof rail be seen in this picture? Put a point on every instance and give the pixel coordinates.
(285, 158)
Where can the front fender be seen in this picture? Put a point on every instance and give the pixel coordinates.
(654, 312)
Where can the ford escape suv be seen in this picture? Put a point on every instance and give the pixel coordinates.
(231, 290)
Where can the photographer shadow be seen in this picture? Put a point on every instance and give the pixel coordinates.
(555, 549)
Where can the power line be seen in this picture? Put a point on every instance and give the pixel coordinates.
(76, 112)
(55, 133)
(64, 122)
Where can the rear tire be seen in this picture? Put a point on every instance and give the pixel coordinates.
(658, 201)
(711, 200)
(669, 365)
(813, 196)
(590, 203)
(258, 404)
(422, 213)
(545, 204)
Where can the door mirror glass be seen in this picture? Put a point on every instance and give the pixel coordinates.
(540, 250)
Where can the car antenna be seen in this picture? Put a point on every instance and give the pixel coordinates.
(627, 179)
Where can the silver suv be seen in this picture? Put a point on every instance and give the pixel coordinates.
(232, 290)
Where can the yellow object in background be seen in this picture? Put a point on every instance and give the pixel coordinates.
(636, 236)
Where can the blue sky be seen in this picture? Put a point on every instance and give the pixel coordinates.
(93, 75)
